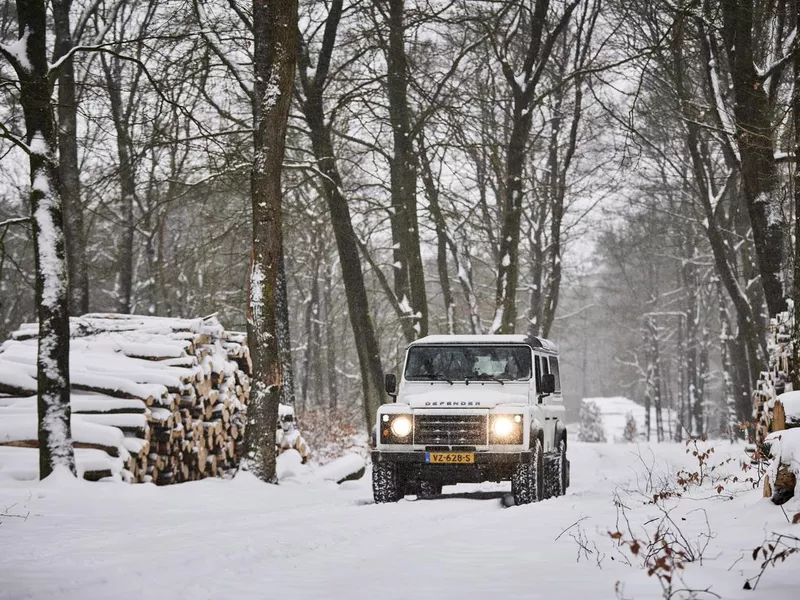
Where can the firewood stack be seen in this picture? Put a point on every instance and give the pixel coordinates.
(153, 399)
(776, 379)
(786, 417)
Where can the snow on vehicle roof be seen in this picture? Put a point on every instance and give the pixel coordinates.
(530, 340)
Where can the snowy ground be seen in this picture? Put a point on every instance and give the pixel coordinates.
(304, 540)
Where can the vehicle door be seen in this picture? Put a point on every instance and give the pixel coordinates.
(539, 407)
(551, 405)
(554, 402)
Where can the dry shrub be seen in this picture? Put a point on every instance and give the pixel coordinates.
(333, 433)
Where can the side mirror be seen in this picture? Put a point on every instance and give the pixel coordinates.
(548, 383)
(390, 383)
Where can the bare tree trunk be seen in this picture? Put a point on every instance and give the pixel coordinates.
(795, 372)
(656, 381)
(537, 266)
(312, 363)
(275, 51)
(346, 241)
(652, 383)
(701, 403)
(127, 180)
(750, 329)
(164, 306)
(690, 281)
(68, 163)
(559, 168)
(284, 337)
(52, 367)
(725, 339)
(330, 341)
(756, 141)
(443, 241)
(408, 270)
(443, 237)
(681, 424)
(508, 265)
(538, 48)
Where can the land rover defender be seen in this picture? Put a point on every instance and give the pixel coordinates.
(473, 408)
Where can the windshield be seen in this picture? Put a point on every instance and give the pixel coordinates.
(452, 363)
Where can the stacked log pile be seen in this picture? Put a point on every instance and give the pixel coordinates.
(775, 380)
(776, 409)
(153, 399)
(780, 445)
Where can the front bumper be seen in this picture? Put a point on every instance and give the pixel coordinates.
(488, 466)
(417, 457)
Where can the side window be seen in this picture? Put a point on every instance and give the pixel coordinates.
(554, 371)
(538, 373)
(545, 366)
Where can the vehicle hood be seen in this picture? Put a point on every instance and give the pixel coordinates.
(474, 395)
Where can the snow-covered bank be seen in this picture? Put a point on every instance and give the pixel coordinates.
(614, 411)
(313, 539)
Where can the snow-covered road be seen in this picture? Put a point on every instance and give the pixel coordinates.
(243, 539)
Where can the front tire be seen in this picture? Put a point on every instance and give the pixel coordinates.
(527, 481)
(386, 483)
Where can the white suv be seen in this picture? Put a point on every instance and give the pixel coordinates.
(473, 408)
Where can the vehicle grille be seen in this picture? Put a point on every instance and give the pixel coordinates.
(450, 430)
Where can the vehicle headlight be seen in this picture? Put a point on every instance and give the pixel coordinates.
(401, 426)
(503, 426)
(507, 429)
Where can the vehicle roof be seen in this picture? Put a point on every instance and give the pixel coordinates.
(529, 340)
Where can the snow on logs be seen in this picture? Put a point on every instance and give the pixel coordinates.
(784, 448)
(777, 412)
(153, 399)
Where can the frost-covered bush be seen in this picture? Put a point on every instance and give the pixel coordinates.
(591, 429)
(631, 431)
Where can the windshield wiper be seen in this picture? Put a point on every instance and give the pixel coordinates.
(483, 377)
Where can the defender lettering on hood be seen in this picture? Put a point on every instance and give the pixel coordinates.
(453, 403)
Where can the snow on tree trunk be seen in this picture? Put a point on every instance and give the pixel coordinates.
(275, 47)
(29, 60)
(55, 437)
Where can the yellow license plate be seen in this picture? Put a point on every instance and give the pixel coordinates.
(450, 458)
